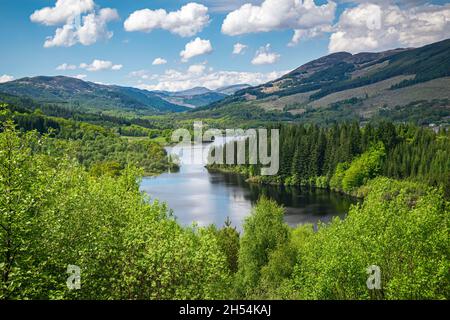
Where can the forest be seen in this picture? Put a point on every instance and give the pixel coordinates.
(69, 194)
(346, 156)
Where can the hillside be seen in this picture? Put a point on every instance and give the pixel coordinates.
(89, 96)
(192, 98)
(200, 96)
(363, 83)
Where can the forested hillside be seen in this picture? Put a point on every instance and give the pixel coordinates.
(363, 86)
(58, 212)
(346, 156)
(99, 146)
(88, 96)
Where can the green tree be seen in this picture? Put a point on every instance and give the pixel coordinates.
(264, 231)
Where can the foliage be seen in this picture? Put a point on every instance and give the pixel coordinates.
(402, 227)
(363, 168)
(94, 145)
(320, 157)
(228, 240)
(264, 231)
(54, 213)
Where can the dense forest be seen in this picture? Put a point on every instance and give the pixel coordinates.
(58, 213)
(346, 156)
(69, 194)
(98, 145)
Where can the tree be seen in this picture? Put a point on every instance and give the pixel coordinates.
(264, 231)
(402, 227)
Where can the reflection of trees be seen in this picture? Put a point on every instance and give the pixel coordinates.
(314, 201)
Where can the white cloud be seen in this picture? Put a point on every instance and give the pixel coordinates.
(226, 5)
(64, 12)
(195, 48)
(92, 29)
(80, 76)
(142, 74)
(159, 61)
(6, 78)
(78, 21)
(174, 80)
(300, 34)
(370, 27)
(186, 22)
(239, 48)
(197, 68)
(265, 56)
(100, 65)
(278, 15)
(66, 66)
(116, 67)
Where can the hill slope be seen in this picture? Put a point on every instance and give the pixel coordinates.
(200, 96)
(89, 96)
(364, 82)
(192, 98)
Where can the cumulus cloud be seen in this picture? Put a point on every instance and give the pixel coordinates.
(279, 15)
(369, 27)
(78, 21)
(197, 68)
(195, 48)
(300, 34)
(66, 66)
(100, 65)
(174, 80)
(264, 55)
(186, 22)
(239, 48)
(64, 12)
(226, 5)
(6, 78)
(93, 29)
(142, 74)
(159, 61)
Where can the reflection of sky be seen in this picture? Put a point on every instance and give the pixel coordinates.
(209, 198)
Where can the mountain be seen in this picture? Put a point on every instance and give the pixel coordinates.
(89, 96)
(191, 98)
(200, 96)
(192, 92)
(361, 85)
(229, 90)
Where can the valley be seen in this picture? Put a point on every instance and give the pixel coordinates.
(363, 179)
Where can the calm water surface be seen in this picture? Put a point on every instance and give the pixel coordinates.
(196, 195)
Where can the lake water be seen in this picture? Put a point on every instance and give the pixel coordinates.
(196, 195)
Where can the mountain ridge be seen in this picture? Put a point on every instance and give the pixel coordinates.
(363, 82)
(76, 93)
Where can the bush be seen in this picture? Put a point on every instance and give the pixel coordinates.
(264, 231)
(402, 227)
(55, 214)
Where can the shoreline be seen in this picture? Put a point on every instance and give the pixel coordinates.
(359, 194)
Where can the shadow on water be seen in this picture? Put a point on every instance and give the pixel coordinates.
(196, 195)
(302, 205)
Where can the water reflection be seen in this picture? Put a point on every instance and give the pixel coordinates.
(196, 195)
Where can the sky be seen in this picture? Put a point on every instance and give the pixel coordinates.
(176, 45)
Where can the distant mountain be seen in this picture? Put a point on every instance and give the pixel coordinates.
(360, 84)
(192, 92)
(229, 90)
(198, 96)
(89, 96)
(192, 98)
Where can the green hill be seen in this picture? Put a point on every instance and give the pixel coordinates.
(89, 96)
(359, 86)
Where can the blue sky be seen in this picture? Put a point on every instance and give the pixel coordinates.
(125, 57)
